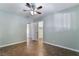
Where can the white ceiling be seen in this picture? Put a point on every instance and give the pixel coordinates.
(17, 8)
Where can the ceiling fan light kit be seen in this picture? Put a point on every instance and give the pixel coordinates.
(33, 9)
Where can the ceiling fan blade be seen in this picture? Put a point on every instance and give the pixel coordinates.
(39, 7)
(28, 5)
(33, 6)
(38, 12)
(27, 10)
(24, 10)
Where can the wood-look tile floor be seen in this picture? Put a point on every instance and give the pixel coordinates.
(35, 49)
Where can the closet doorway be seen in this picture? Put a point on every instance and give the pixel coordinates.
(35, 31)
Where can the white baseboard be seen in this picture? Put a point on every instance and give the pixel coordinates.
(62, 47)
(44, 42)
(12, 44)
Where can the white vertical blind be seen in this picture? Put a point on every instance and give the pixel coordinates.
(62, 21)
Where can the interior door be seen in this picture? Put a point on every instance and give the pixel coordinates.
(35, 31)
(40, 30)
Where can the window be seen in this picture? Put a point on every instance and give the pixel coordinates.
(62, 21)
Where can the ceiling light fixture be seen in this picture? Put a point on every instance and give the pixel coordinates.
(33, 9)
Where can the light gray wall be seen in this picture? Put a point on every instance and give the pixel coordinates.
(63, 35)
(12, 28)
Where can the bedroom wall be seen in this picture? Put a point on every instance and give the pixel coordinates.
(12, 28)
(62, 28)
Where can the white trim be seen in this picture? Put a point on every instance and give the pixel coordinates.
(44, 42)
(62, 47)
(12, 44)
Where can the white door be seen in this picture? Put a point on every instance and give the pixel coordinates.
(40, 30)
(35, 31)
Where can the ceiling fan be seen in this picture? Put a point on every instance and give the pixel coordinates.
(33, 9)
